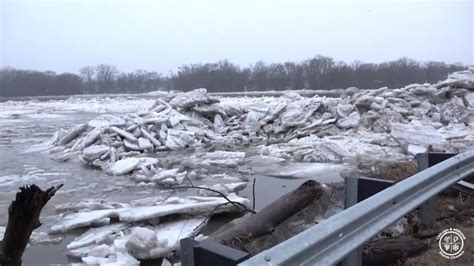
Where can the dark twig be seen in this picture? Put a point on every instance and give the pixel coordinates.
(253, 194)
(236, 204)
(189, 180)
(167, 197)
(210, 215)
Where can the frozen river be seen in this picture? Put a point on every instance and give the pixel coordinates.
(19, 167)
(20, 130)
(278, 141)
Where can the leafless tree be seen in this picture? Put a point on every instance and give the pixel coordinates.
(315, 73)
(87, 73)
(106, 77)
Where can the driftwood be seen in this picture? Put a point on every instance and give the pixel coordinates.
(241, 232)
(298, 210)
(23, 218)
(385, 251)
(320, 208)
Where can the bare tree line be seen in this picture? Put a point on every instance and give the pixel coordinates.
(316, 73)
(319, 72)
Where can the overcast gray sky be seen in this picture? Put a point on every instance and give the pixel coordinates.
(161, 35)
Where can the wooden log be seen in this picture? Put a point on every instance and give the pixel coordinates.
(385, 251)
(248, 228)
(23, 218)
(330, 200)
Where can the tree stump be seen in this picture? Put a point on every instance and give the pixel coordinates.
(23, 218)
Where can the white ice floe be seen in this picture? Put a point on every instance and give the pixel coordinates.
(417, 134)
(235, 187)
(178, 139)
(94, 152)
(415, 149)
(107, 121)
(147, 161)
(144, 144)
(143, 243)
(71, 134)
(123, 166)
(188, 206)
(225, 158)
(43, 238)
(265, 160)
(89, 204)
(316, 171)
(217, 187)
(81, 219)
(125, 245)
(127, 135)
(460, 79)
(189, 99)
(222, 188)
(196, 207)
(160, 241)
(352, 120)
(162, 175)
(97, 235)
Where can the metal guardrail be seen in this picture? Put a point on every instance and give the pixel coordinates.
(336, 237)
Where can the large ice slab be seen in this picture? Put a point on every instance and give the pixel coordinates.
(72, 134)
(226, 158)
(189, 206)
(94, 152)
(81, 219)
(191, 98)
(107, 121)
(123, 166)
(97, 235)
(116, 244)
(423, 135)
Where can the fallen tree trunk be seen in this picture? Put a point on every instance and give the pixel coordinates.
(243, 231)
(23, 218)
(386, 251)
(299, 210)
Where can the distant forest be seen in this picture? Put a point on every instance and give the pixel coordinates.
(319, 72)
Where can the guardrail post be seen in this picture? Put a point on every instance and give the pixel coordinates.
(428, 208)
(356, 190)
(209, 252)
(187, 251)
(428, 211)
(352, 191)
